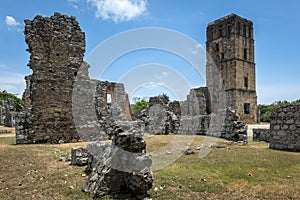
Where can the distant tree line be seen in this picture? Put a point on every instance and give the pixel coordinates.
(4, 96)
(266, 110)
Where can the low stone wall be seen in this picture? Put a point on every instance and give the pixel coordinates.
(285, 128)
(224, 124)
(260, 134)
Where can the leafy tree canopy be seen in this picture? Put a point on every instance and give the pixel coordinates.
(139, 104)
(4, 96)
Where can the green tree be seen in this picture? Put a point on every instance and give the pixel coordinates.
(266, 110)
(165, 98)
(140, 104)
(4, 96)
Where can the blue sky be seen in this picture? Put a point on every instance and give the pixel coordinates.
(276, 26)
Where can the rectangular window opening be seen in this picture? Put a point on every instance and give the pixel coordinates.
(108, 98)
(246, 82)
(217, 47)
(245, 54)
(247, 108)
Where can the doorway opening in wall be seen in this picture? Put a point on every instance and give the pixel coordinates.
(246, 108)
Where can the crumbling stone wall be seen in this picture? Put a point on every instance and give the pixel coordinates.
(194, 112)
(157, 116)
(56, 46)
(197, 103)
(285, 128)
(260, 134)
(7, 113)
(158, 119)
(197, 118)
(61, 103)
(175, 108)
(112, 101)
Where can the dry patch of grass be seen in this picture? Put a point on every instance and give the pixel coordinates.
(4, 135)
(33, 172)
(235, 172)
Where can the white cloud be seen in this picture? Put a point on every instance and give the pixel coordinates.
(119, 10)
(12, 82)
(12, 23)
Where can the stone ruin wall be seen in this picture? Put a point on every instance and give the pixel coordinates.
(57, 46)
(160, 120)
(197, 118)
(113, 101)
(7, 113)
(260, 134)
(285, 128)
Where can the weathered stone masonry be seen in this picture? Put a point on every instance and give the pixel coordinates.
(230, 50)
(57, 47)
(261, 135)
(197, 118)
(7, 113)
(285, 128)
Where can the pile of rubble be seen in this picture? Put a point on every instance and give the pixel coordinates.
(119, 168)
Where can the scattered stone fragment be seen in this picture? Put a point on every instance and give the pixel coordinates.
(123, 168)
(220, 146)
(188, 151)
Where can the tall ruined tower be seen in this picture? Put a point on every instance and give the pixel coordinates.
(230, 52)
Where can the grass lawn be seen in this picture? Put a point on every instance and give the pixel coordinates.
(236, 172)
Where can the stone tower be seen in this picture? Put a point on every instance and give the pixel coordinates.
(230, 52)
